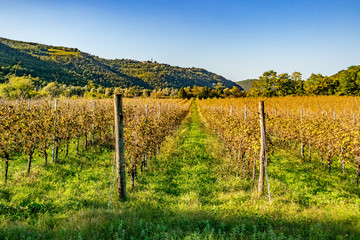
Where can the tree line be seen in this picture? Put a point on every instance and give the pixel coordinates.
(24, 87)
(206, 92)
(346, 82)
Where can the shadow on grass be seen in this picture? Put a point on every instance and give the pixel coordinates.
(145, 222)
(313, 178)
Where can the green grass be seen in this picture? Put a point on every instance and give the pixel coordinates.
(188, 192)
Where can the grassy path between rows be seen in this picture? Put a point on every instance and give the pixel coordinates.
(184, 176)
(188, 192)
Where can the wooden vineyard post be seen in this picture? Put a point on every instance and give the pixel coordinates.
(245, 113)
(68, 137)
(275, 113)
(342, 159)
(358, 169)
(119, 148)
(54, 137)
(262, 148)
(354, 119)
(93, 126)
(159, 112)
(301, 135)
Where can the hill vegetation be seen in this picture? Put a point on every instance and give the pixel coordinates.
(62, 71)
(73, 67)
(246, 84)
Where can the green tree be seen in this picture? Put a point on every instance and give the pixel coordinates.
(349, 81)
(266, 85)
(52, 89)
(227, 92)
(318, 84)
(146, 93)
(189, 93)
(182, 94)
(235, 92)
(174, 92)
(205, 93)
(18, 87)
(219, 89)
(299, 83)
(288, 85)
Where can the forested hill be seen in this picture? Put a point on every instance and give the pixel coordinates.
(73, 67)
(246, 84)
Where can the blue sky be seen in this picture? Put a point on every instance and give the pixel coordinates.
(236, 39)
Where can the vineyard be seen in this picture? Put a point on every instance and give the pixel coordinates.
(328, 126)
(32, 128)
(192, 169)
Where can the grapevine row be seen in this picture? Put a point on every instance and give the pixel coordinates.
(326, 125)
(40, 127)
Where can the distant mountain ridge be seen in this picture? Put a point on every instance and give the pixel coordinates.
(73, 67)
(246, 84)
